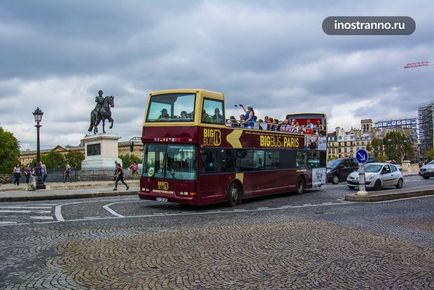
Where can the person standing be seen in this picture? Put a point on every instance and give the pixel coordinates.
(17, 174)
(119, 175)
(44, 172)
(27, 173)
(66, 173)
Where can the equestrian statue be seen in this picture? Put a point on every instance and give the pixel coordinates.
(101, 112)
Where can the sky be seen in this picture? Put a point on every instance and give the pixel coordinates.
(273, 55)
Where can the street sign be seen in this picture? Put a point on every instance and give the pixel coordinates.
(362, 156)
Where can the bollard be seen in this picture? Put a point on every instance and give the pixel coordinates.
(362, 189)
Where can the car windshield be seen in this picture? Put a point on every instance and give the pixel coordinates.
(333, 163)
(171, 108)
(431, 162)
(373, 167)
(169, 161)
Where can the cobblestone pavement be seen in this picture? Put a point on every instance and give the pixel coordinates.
(350, 246)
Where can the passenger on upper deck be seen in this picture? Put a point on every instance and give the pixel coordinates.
(217, 118)
(249, 117)
(164, 114)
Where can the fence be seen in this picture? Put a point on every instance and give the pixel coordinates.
(75, 175)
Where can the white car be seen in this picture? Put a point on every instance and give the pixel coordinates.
(427, 170)
(377, 176)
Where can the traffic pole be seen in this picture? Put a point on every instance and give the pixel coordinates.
(362, 189)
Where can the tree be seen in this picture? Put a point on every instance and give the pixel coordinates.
(376, 148)
(128, 159)
(74, 159)
(397, 145)
(429, 154)
(54, 161)
(9, 151)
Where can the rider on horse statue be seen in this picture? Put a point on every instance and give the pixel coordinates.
(101, 112)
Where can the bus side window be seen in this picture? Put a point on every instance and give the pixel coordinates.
(272, 159)
(301, 159)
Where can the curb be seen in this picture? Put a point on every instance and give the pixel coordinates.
(66, 196)
(389, 196)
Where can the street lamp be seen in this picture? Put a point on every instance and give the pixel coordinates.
(40, 179)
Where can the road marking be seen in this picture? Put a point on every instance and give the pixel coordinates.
(15, 211)
(26, 207)
(58, 213)
(41, 217)
(107, 208)
(7, 223)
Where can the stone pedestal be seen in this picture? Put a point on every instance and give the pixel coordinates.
(101, 152)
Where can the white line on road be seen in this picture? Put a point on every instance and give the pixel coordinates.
(23, 211)
(58, 213)
(7, 223)
(41, 217)
(107, 208)
(26, 207)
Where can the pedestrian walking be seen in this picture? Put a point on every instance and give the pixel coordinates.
(17, 174)
(119, 176)
(66, 173)
(28, 173)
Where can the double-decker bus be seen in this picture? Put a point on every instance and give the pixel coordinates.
(191, 156)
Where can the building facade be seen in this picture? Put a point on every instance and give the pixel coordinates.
(343, 144)
(426, 130)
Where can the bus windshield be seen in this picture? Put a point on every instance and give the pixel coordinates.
(169, 161)
(171, 108)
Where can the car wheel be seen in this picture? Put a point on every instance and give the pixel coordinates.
(400, 183)
(335, 179)
(377, 185)
(234, 194)
(300, 185)
(425, 177)
(351, 187)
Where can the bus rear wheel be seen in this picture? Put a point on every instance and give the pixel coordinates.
(299, 189)
(234, 194)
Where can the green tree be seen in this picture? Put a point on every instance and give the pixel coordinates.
(127, 159)
(54, 161)
(397, 145)
(429, 155)
(376, 148)
(9, 151)
(74, 159)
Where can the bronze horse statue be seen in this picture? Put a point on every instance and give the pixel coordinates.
(101, 113)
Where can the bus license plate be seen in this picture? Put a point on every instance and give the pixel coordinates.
(161, 199)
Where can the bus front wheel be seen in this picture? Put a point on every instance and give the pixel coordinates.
(299, 189)
(234, 194)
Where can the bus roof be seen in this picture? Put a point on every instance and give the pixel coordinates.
(191, 90)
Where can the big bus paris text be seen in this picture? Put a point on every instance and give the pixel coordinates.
(193, 156)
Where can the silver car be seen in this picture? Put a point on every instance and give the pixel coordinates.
(377, 176)
(427, 170)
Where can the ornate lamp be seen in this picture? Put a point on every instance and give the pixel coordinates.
(37, 114)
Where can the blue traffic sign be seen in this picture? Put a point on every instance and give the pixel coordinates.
(362, 156)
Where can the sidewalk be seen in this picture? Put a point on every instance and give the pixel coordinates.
(60, 190)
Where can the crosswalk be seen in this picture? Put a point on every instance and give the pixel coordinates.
(26, 214)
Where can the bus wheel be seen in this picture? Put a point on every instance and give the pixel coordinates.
(234, 194)
(300, 185)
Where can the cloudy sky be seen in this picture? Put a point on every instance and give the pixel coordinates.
(271, 54)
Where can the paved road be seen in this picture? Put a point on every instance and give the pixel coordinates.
(315, 240)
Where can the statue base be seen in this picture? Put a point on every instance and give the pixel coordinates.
(101, 152)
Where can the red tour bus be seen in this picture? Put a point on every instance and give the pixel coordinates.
(191, 156)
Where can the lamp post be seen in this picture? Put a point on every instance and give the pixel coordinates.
(37, 114)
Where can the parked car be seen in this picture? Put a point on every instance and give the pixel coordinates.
(427, 170)
(339, 169)
(377, 176)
